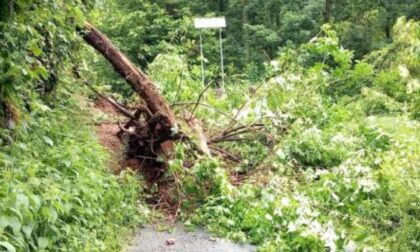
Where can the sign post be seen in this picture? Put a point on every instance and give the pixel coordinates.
(211, 23)
(202, 59)
(221, 59)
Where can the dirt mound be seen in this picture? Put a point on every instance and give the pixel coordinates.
(107, 134)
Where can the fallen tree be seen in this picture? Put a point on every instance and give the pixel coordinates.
(152, 128)
(154, 125)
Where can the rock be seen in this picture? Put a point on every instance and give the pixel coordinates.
(170, 241)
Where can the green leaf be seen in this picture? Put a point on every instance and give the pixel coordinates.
(24, 72)
(22, 200)
(48, 140)
(42, 71)
(78, 16)
(9, 247)
(27, 230)
(34, 48)
(30, 30)
(3, 222)
(52, 214)
(42, 242)
(41, 107)
(12, 222)
(35, 202)
(67, 163)
(22, 146)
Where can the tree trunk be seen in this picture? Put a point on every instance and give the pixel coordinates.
(153, 138)
(327, 11)
(222, 6)
(245, 40)
(388, 29)
(135, 77)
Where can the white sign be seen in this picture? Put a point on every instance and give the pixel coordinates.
(203, 23)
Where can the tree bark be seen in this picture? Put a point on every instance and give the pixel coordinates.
(222, 6)
(388, 29)
(327, 11)
(134, 76)
(245, 40)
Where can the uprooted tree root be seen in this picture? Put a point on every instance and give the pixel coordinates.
(145, 143)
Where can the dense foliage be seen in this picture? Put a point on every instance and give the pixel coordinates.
(343, 170)
(256, 29)
(56, 192)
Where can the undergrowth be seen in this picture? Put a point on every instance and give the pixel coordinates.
(337, 165)
(56, 190)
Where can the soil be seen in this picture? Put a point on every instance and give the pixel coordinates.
(107, 134)
(107, 137)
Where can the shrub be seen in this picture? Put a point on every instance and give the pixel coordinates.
(56, 191)
(311, 147)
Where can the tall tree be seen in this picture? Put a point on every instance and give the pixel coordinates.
(327, 10)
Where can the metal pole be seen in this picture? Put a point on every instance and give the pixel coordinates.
(221, 59)
(202, 59)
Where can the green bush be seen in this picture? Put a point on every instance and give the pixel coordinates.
(415, 108)
(392, 85)
(355, 79)
(56, 192)
(374, 102)
(312, 147)
(342, 175)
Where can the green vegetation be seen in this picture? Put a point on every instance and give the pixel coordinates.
(322, 100)
(56, 191)
(345, 173)
(257, 29)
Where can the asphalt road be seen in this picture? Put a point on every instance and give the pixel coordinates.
(149, 239)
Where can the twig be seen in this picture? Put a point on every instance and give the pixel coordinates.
(124, 129)
(227, 154)
(242, 107)
(220, 112)
(118, 106)
(248, 127)
(266, 55)
(235, 132)
(144, 157)
(179, 86)
(179, 197)
(207, 106)
(198, 100)
(237, 139)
